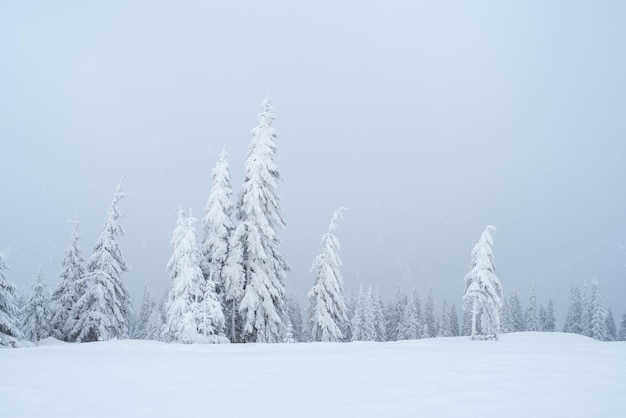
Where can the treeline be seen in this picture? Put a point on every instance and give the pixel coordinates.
(227, 283)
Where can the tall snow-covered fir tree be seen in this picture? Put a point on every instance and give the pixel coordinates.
(483, 291)
(327, 306)
(621, 333)
(395, 311)
(9, 323)
(217, 226)
(37, 313)
(255, 240)
(105, 310)
(69, 291)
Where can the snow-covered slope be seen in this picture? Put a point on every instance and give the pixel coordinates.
(522, 375)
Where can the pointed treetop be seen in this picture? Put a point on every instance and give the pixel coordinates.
(337, 215)
(266, 117)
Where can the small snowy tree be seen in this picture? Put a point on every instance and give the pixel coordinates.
(380, 321)
(37, 313)
(573, 320)
(263, 266)
(363, 327)
(394, 314)
(410, 325)
(597, 321)
(430, 324)
(532, 312)
(327, 307)
(444, 329)
(483, 292)
(518, 322)
(611, 329)
(454, 322)
(295, 317)
(69, 291)
(621, 334)
(105, 310)
(550, 324)
(9, 325)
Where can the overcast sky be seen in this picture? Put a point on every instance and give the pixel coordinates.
(428, 120)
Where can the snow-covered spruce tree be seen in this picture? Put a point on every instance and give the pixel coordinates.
(105, 310)
(263, 266)
(430, 327)
(217, 227)
(506, 324)
(9, 325)
(363, 327)
(466, 326)
(444, 329)
(294, 313)
(573, 320)
(518, 322)
(483, 291)
(69, 291)
(193, 313)
(454, 322)
(621, 334)
(147, 306)
(410, 325)
(37, 313)
(550, 324)
(597, 321)
(585, 319)
(380, 321)
(327, 306)
(394, 313)
(532, 312)
(543, 318)
(611, 329)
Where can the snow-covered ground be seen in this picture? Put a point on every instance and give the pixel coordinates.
(522, 375)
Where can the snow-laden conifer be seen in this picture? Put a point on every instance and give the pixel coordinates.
(380, 320)
(532, 312)
(327, 307)
(611, 329)
(621, 333)
(518, 321)
(105, 310)
(483, 291)
(597, 321)
(217, 224)
(259, 211)
(295, 317)
(394, 313)
(363, 326)
(550, 324)
(37, 312)
(444, 328)
(410, 326)
(429, 321)
(193, 313)
(454, 322)
(148, 324)
(573, 320)
(69, 291)
(585, 319)
(9, 322)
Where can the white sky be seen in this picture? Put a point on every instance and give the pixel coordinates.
(428, 120)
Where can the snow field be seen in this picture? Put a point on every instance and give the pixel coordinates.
(522, 375)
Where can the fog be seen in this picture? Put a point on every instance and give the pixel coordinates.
(428, 120)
